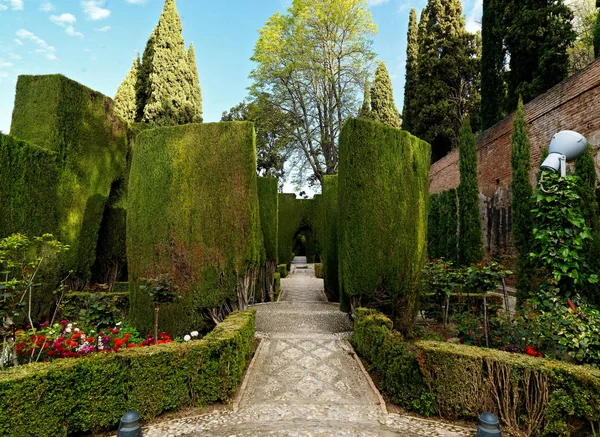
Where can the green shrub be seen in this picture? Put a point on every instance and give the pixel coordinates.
(72, 396)
(383, 191)
(192, 213)
(530, 395)
(97, 308)
(442, 226)
(90, 141)
(318, 270)
(329, 255)
(268, 201)
(277, 278)
(282, 270)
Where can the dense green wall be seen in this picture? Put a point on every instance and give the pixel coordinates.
(442, 231)
(329, 218)
(268, 201)
(192, 212)
(383, 192)
(90, 141)
(295, 214)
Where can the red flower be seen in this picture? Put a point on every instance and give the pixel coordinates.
(130, 345)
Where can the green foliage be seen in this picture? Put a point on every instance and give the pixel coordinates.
(277, 278)
(448, 84)
(90, 141)
(297, 217)
(125, 99)
(193, 213)
(597, 36)
(470, 244)
(329, 254)
(522, 202)
(383, 184)
(95, 308)
(196, 91)
(365, 109)
(161, 289)
(111, 256)
(411, 81)
(282, 270)
(442, 226)
(90, 394)
(536, 64)
(268, 201)
(383, 108)
(318, 270)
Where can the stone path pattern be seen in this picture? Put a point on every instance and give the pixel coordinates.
(305, 379)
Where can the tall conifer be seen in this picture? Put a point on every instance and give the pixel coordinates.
(169, 97)
(383, 108)
(143, 80)
(365, 109)
(522, 192)
(470, 243)
(196, 91)
(410, 84)
(125, 99)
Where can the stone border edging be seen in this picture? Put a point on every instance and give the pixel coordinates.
(240, 393)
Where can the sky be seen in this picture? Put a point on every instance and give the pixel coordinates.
(95, 41)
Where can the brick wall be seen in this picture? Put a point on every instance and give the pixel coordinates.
(573, 104)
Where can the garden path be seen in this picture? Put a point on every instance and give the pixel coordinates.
(305, 379)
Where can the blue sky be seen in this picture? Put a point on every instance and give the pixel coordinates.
(95, 41)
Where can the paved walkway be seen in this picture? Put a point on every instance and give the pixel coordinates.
(305, 379)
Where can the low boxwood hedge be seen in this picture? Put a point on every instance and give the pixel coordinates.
(79, 395)
(282, 270)
(531, 396)
(318, 270)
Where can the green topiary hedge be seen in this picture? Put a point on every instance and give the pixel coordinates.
(277, 279)
(268, 201)
(282, 270)
(71, 396)
(318, 270)
(530, 395)
(329, 254)
(90, 142)
(383, 191)
(192, 213)
(442, 225)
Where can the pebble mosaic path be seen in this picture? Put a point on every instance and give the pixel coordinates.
(305, 379)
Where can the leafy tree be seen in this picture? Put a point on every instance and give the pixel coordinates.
(311, 62)
(522, 203)
(470, 245)
(449, 76)
(538, 59)
(493, 55)
(411, 82)
(196, 91)
(365, 109)
(596, 36)
(581, 53)
(383, 108)
(125, 99)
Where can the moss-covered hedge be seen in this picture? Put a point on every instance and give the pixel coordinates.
(329, 247)
(71, 396)
(192, 212)
(268, 201)
(383, 191)
(90, 142)
(442, 234)
(534, 395)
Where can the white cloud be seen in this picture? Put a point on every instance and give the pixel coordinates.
(18, 42)
(377, 2)
(51, 56)
(45, 49)
(136, 2)
(46, 7)
(63, 19)
(94, 9)
(5, 64)
(16, 5)
(72, 32)
(3, 7)
(474, 18)
(3, 75)
(15, 56)
(102, 29)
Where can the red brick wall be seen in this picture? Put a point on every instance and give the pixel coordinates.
(573, 104)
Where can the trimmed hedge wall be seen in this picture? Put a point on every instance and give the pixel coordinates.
(535, 396)
(268, 200)
(90, 141)
(383, 191)
(193, 213)
(442, 234)
(330, 230)
(71, 396)
(282, 270)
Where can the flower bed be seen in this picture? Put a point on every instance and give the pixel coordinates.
(530, 395)
(72, 396)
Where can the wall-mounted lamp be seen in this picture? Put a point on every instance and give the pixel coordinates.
(565, 146)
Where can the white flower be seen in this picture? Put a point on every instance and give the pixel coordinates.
(119, 324)
(68, 330)
(194, 333)
(187, 338)
(70, 325)
(76, 330)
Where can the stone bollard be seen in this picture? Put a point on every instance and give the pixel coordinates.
(130, 425)
(488, 426)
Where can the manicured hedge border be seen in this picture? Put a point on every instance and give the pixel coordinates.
(538, 396)
(90, 394)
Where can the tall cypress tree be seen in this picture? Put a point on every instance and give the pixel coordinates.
(196, 90)
(365, 109)
(383, 108)
(522, 202)
(448, 72)
(410, 84)
(142, 87)
(125, 98)
(170, 97)
(470, 243)
(493, 55)
(538, 60)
